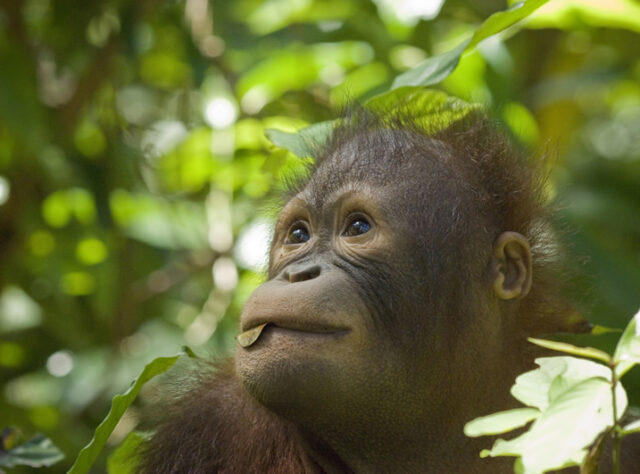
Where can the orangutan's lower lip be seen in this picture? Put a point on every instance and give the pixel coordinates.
(249, 337)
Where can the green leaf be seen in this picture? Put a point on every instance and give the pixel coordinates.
(561, 434)
(500, 21)
(37, 452)
(534, 388)
(432, 70)
(589, 352)
(123, 460)
(434, 110)
(500, 422)
(633, 427)
(627, 353)
(304, 143)
(119, 405)
(436, 68)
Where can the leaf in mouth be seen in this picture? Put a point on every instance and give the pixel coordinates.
(249, 337)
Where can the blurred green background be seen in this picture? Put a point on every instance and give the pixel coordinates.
(136, 185)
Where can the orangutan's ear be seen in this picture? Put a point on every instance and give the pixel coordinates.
(511, 266)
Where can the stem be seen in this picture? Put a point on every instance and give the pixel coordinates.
(616, 427)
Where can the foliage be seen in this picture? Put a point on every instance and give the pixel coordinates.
(37, 452)
(572, 402)
(119, 405)
(135, 177)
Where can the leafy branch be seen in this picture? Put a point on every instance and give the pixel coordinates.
(572, 402)
(309, 140)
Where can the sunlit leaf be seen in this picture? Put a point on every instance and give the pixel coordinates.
(433, 109)
(436, 68)
(627, 352)
(38, 452)
(589, 352)
(561, 434)
(119, 405)
(500, 422)
(533, 388)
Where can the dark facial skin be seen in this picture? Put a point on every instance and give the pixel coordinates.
(362, 348)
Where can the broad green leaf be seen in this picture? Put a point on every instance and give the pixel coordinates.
(500, 21)
(627, 352)
(119, 405)
(589, 352)
(436, 68)
(123, 460)
(561, 434)
(431, 70)
(533, 388)
(37, 452)
(434, 110)
(633, 427)
(500, 422)
(304, 143)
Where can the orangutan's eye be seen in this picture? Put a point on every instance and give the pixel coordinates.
(298, 234)
(358, 226)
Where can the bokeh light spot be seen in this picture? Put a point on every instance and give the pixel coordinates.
(5, 188)
(220, 112)
(91, 251)
(60, 363)
(225, 274)
(252, 249)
